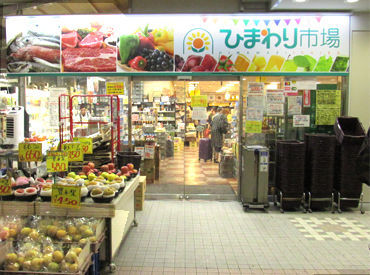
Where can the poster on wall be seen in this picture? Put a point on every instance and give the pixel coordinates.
(199, 113)
(328, 106)
(294, 105)
(201, 43)
(301, 121)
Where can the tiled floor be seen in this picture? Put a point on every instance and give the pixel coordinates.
(186, 167)
(210, 237)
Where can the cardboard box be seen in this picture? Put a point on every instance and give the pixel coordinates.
(140, 190)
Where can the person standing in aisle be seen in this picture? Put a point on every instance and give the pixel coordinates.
(210, 116)
(83, 117)
(219, 127)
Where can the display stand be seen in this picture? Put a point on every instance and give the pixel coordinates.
(119, 217)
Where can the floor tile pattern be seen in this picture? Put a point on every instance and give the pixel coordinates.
(336, 229)
(218, 237)
(186, 167)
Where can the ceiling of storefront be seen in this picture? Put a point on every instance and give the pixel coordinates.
(43, 7)
(324, 5)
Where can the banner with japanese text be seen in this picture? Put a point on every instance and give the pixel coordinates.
(182, 43)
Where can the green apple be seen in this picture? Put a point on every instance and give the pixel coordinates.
(105, 174)
(91, 176)
(72, 174)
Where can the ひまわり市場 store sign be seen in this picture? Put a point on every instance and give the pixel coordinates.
(181, 43)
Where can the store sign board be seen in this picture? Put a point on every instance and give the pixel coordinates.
(56, 161)
(86, 143)
(201, 43)
(29, 152)
(66, 196)
(5, 187)
(199, 101)
(328, 106)
(115, 88)
(74, 150)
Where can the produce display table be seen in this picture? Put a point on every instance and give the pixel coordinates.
(119, 215)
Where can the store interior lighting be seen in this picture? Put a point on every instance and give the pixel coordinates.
(351, 1)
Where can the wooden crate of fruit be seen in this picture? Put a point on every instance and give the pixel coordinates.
(18, 208)
(66, 259)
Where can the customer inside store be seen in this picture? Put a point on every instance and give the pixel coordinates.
(219, 127)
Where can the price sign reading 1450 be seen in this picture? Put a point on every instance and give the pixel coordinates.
(5, 187)
(30, 152)
(66, 196)
(57, 161)
(74, 150)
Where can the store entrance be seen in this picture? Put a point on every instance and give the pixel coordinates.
(186, 165)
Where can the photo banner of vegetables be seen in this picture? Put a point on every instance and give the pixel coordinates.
(33, 45)
(150, 47)
(88, 45)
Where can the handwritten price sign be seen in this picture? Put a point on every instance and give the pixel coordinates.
(30, 152)
(56, 161)
(86, 143)
(66, 196)
(199, 101)
(5, 187)
(74, 150)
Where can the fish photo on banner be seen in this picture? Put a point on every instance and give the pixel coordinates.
(33, 45)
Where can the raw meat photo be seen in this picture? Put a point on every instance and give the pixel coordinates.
(90, 48)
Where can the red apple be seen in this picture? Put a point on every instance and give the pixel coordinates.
(99, 173)
(124, 169)
(119, 173)
(130, 166)
(127, 175)
(95, 170)
(86, 168)
(91, 164)
(81, 173)
(111, 166)
(4, 233)
(104, 168)
(134, 171)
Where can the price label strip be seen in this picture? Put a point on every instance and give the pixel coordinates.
(56, 161)
(86, 143)
(66, 196)
(5, 187)
(29, 152)
(74, 150)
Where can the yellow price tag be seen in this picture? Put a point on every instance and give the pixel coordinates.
(86, 143)
(253, 126)
(199, 101)
(115, 88)
(56, 161)
(74, 150)
(5, 187)
(66, 196)
(29, 152)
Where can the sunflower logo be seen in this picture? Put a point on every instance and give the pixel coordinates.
(198, 40)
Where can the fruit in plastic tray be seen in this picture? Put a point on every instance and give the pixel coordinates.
(58, 256)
